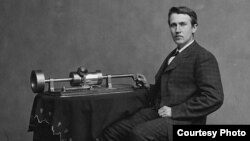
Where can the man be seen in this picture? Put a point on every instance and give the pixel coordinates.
(187, 87)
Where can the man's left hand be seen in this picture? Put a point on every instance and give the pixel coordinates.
(165, 111)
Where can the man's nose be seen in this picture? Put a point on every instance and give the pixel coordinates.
(178, 29)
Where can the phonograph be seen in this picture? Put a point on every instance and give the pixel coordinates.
(83, 83)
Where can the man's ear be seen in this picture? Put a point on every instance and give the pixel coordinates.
(194, 28)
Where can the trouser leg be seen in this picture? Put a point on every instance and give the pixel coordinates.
(121, 130)
(159, 129)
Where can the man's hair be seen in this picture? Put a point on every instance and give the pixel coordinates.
(183, 10)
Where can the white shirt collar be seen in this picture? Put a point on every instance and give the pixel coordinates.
(185, 46)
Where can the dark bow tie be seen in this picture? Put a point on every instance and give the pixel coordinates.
(175, 53)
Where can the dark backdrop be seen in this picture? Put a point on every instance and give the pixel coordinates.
(114, 36)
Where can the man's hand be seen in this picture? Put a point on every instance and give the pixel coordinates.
(165, 111)
(141, 81)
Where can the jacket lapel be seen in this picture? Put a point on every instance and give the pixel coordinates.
(177, 60)
(163, 66)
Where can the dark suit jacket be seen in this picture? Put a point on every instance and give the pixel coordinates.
(191, 85)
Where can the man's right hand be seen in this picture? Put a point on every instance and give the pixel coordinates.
(141, 81)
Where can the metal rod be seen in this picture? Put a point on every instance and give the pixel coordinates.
(119, 76)
(59, 80)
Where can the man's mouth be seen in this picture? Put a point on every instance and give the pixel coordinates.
(178, 37)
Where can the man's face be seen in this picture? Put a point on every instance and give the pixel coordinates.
(181, 29)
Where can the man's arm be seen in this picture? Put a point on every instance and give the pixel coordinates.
(210, 93)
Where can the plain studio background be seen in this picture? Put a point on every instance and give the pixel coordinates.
(116, 37)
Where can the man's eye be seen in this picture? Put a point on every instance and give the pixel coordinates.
(183, 24)
(172, 25)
